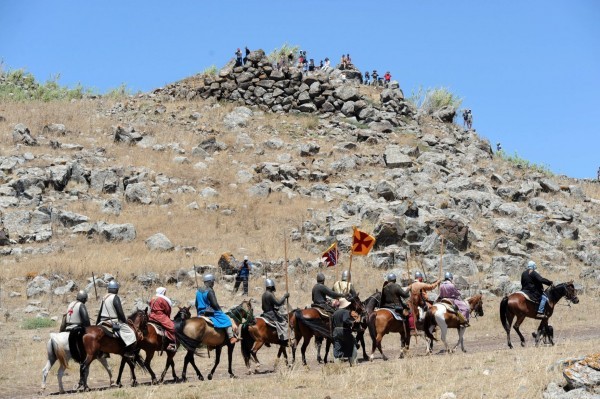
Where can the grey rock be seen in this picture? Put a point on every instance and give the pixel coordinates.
(39, 285)
(262, 189)
(309, 149)
(126, 135)
(347, 93)
(54, 128)
(237, 118)
(549, 186)
(65, 289)
(159, 242)
(111, 207)
(445, 114)
(22, 135)
(138, 193)
(395, 158)
(148, 279)
(116, 232)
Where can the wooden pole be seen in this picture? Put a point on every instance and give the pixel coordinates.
(441, 258)
(95, 289)
(287, 300)
(349, 274)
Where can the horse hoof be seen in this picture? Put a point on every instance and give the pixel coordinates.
(201, 378)
(523, 344)
(134, 383)
(232, 376)
(210, 377)
(155, 382)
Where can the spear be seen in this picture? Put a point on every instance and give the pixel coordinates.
(95, 289)
(287, 300)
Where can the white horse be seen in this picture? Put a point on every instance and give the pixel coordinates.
(440, 316)
(58, 349)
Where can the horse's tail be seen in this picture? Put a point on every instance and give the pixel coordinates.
(371, 325)
(139, 361)
(59, 352)
(315, 325)
(247, 343)
(429, 320)
(503, 312)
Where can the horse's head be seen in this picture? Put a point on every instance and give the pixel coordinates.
(139, 320)
(571, 293)
(356, 304)
(183, 313)
(476, 304)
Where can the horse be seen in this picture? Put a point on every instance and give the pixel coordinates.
(255, 334)
(380, 322)
(97, 340)
(152, 342)
(369, 305)
(438, 315)
(193, 331)
(309, 322)
(58, 349)
(516, 305)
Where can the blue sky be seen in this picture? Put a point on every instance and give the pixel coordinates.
(529, 70)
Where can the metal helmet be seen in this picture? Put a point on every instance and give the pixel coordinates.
(208, 278)
(418, 275)
(448, 276)
(82, 296)
(345, 275)
(320, 278)
(269, 283)
(531, 265)
(113, 287)
(391, 277)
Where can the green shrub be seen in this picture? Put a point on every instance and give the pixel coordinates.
(275, 55)
(433, 99)
(118, 92)
(522, 163)
(37, 322)
(210, 71)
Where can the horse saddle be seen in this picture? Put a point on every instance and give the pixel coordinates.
(107, 328)
(160, 330)
(322, 311)
(448, 305)
(268, 322)
(393, 313)
(208, 320)
(527, 297)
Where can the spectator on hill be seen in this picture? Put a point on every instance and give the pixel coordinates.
(311, 65)
(387, 78)
(344, 62)
(247, 54)
(375, 77)
(367, 78)
(290, 58)
(238, 58)
(327, 65)
(321, 64)
(467, 119)
(598, 173)
(498, 147)
(305, 66)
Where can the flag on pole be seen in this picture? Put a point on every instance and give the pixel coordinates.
(330, 257)
(361, 242)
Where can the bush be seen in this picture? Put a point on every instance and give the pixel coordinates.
(433, 99)
(522, 163)
(37, 322)
(210, 71)
(275, 55)
(20, 85)
(118, 92)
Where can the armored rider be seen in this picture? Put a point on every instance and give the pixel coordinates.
(392, 294)
(449, 291)
(77, 315)
(532, 284)
(320, 292)
(207, 305)
(270, 308)
(111, 313)
(345, 286)
(160, 313)
(418, 295)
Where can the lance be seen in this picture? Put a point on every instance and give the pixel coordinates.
(287, 300)
(95, 289)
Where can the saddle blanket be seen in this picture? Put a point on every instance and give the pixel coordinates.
(267, 321)
(396, 315)
(449, 307)
(158, 328)
(208, 320)
(321, 311)
(526, 296)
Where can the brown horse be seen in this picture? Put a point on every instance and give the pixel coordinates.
(439, 315)
(194, 331)
(151, 343)
(380, 322)
(309, 322)
(255, 334)
(369, 304)
(516, 305)
(96, 341)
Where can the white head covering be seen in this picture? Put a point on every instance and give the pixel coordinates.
(245, 257)
(161, 291)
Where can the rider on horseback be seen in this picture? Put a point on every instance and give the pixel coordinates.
(270, 307)
(77, 315)
(532, 284)
(449, 291)
(392, 294)
(160, 313)
(418, 295)
(344, 286)
(320, 292)
(207, 305)
(111, 314)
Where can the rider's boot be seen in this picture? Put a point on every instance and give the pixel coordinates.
(130, 351)
(232, 338)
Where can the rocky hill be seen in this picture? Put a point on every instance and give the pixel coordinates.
(154, 185)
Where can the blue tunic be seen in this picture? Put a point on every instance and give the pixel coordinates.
(219, 319)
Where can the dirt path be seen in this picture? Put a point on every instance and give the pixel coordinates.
(473, 344)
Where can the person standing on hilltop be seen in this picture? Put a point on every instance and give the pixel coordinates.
(247, 54)
(599, 173)
(367, 78)
(238, 58)
(375, 77)
(387, 78)
(327, 65)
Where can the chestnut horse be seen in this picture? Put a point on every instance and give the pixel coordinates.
(255, 334)
(381, 322)
(96, 341)
(151, 343)
(194, 331)
(309, 322)
(438, 315)
(516, 305)
(369, 305)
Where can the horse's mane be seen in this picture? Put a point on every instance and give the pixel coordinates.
(557, 291)
(133, 316)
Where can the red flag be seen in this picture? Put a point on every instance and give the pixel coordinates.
(362, 242)
(330, 257)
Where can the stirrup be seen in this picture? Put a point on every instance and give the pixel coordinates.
(171, 347)
(541, 316)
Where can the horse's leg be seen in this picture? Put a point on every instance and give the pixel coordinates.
(378, 340)
(461, 334)
(257, 345)
(516, 327)
(149, 357)
(121, 367)
(217, 360)
(443, 332)
(360, 337)
(131, 365)
(509, 320)
(327, 347)
(303, 348)
(229, 360)
(104, 363)
(48, 366)
(283, 351)
(189, 358)
(319, 343)
(540, 331)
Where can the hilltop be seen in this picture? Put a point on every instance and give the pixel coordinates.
(240, 160)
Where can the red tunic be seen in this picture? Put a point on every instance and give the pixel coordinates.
(160, 312)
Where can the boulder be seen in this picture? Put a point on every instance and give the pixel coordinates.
(347, 93)
(38, 286)
(126, 135)
(159, 242)
(111, 207)
(309, 149)
(65, 289)
(237, 118)
(22, 135)
(445, 114)
(116, 232)
(138, 193)
(395, 158)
